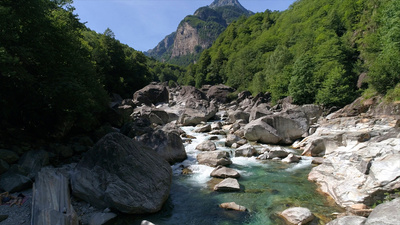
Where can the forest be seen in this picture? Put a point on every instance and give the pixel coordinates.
(57, 76)
(313, 52)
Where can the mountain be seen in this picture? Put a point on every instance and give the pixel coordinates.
(197, 32)
(317, 51)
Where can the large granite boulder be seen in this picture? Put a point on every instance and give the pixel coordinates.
(220, 93)
(214, 158)
(385, 214)
(151, 94)
(238, 115)
(284, 127)
(51, 202)
(297, 215)
(121, 174)
(206, 146)
(168, 144)
(245, 151)
(197, 111)
(259, 111)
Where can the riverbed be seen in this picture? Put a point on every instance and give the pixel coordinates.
(267, 188)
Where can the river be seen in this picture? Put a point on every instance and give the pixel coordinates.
(267, 188)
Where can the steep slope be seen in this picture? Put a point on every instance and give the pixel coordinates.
(197, 32)
(315, 52)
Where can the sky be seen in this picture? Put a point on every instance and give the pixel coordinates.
(142, 24)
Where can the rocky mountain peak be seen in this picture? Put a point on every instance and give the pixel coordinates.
(221, 3)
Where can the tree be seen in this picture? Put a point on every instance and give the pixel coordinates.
(301, 84)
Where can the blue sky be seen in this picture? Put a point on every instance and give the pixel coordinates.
(141, 24)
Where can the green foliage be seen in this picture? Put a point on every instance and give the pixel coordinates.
(314, 51)
(48, 83)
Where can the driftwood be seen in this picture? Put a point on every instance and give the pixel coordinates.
(51, 203)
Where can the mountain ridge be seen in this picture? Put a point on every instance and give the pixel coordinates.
(197, 32)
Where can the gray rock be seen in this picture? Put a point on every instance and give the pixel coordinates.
(101, 218)
(33, 161)
(259, 111)
(151, 94)
(238, 115)
(385, 214)
(317, 160)
(258, 130)
(220, 93)
(121, 174)
(15, 179)
(168, 144)
(233, 206)
(145, 222)
(216, 126)
(315, 148)
(51, 202)
(228, 184)
(214, 158)
(8, 156)
(203, 129)
(197, 111)
(291, 158)
(348, 220)
(231, 138)
(206, 146)
(224, 172)
(297, 215)
(246, 151)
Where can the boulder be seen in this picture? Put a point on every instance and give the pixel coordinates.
(297, 215)
(291, 158)
(219, 93)
(348, 220)
(228, 184)
(121, 174)
(224, 172)
(33, 161)
(259, 130)
(190, 92)
(315, 148)
(246, 151)
(231, 139)
(168, 144)
(276, 152)
(197, 111)
(238, 115)
(216, 126)
(233, 206)
(206, 146)
(51, 202)
(145, 222)
(101, 218)
(214, 158)
(259, 111)
(8, 156)
(385, 214)
(15, 179)
(151, 94)
(203, 129)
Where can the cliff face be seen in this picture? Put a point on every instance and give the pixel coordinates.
(197, 32)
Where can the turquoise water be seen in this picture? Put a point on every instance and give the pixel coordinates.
(267, 188)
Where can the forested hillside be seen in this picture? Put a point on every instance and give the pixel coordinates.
(56, 75)
(314, 52)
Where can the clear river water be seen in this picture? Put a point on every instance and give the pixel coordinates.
(267, 188)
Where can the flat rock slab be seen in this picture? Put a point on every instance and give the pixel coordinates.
(233, 206)
(224, 172)
(297, 215)
(228, 184)
(385, 214)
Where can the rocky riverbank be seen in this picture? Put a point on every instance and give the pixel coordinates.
(128, 170)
